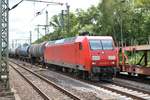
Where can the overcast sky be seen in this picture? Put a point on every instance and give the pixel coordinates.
(22, 19)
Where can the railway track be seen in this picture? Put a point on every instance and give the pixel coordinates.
(124, 90)
(144, 80)
(32, 77)
(120, 88)
(132, 85)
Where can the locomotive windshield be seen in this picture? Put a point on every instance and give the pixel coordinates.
(107, 44)
(96, 44)
(101, 44)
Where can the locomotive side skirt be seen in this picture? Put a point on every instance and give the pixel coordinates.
(73, 66)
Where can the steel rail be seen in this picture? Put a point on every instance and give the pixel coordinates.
(121, 92)
(43, 95)
(104, 86)
(117, 91)
(112, 89)
(133, 88)
(74, 97)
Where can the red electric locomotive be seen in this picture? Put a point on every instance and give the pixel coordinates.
(93, 56)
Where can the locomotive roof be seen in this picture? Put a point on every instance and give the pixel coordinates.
(80, 38)
(76, 39)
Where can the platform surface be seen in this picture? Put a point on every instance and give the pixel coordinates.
(6, 94)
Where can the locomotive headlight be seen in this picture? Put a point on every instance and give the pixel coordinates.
(95, 57)
(113, 62)
(111, 57)
(93, 63)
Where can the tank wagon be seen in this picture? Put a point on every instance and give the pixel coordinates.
(12, 52)
(91, 56)
(17, 52)
(36, 52)
(23, 52)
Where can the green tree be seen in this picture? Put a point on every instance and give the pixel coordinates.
(128, 21)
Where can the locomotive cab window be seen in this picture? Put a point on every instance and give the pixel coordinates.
(95, 45)
(107, 44)
(101, 44)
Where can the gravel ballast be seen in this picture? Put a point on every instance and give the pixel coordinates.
(22, 90)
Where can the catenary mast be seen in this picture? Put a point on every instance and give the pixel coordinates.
(4, 73)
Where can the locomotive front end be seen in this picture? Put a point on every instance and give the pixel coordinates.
(103, 57)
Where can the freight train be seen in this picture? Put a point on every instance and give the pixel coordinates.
(135, 60)
(92, 57)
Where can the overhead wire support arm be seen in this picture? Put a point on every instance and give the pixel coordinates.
(48, 2)
(16, 5)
